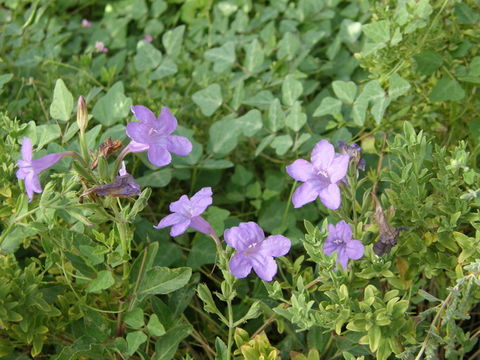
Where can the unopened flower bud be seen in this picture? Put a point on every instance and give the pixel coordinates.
(82, 114)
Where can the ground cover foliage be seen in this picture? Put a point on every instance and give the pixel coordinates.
(254, 85)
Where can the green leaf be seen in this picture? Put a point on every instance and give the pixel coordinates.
(220, 349)
(47, 133)
(212, 164)
(206, 296)
(328, 106)
(154, 326)
(5, 78)
(147, 58)
(465, 14)
(428, 62)
(372, 92)
(62, 103)
(288, 47)
(250, 123)
(428, 296)
(397, 86)
(166, 346)
(202, 252)
(296, 118)
(158, 178)
(263, 144)
(276, 116)
(134, 340)
(378, 32)
(113, 106)
(222, 57)
(208, 99)
(134, 318)
(172, 40)
(224, 136)
(447, 89)
(103, 281)
(166, 68)
(254, 56)
(281, 144)
(374, 337)
(291, 90)
(162, 280)
(345, 90)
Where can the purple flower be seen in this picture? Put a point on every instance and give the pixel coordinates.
(148, 38)
(354, 152)
(253, 250)
(123, 185)
(320, 177)
(153, 134)
(100, 47)
(86, 23)
(30, 169)
(186, 213)
(339, 239)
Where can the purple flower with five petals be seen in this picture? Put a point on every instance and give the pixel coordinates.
(186, 213)
(320, 177)
(29, 169)
(153, 135)
(339, 239)
(253, 250)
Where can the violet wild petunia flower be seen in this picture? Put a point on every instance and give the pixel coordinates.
(100, 47)
(123, 185)
(29, 169)
(320, 177)
(339, 239)
(254, 251)
(153, 135)
(186, 213)
(353, 151)
(86, 23)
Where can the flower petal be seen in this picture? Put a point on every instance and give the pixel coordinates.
(242, 236)
(180, 228)
(143, 114)
(354, 249)
(32, 184)
(301, 170)
(240, 266)
(139, 132)
(330, 196)
(45, 162)
(275, 245)
(179, 145)
(342, 257)
(166, 123)
(135, 147)
(159, 156)
(338, 168)
(264, 266)
(322, 155)
(200, 224)
(343, 231)
(201, 200)
(170, 220)
(26, 149)
(181, 206)
(304, 194)
(329, 247)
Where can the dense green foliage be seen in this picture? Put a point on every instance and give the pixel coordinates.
(254, 85)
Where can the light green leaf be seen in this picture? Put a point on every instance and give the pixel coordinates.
(166, 346)
(148, 57)
(447, 89)
(397, 86)
(428, 62)
(222, 57)
(281, 144)
(5, 78)
(134, 340)
(288, 47)
(163, 280)
(212, 164)
(62, 103)
(103, 281)
(172, 40)
(134, 318)
(157, 178)
(154, 326)
(166, 68)
(378, 32)
(250, 123)
(208, 99)
(254, 56)
(276, 116)
(224, 136)
(263, 144)
(291, 90)
(113, 106)
(345, 90)
(296, 118)
(372, 92)
(220, 349)
(328, 106)
(47, 133)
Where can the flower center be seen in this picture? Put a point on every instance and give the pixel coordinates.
(251, 248)
(322, 173)
(338, 241)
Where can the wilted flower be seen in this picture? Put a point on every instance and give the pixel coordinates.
(148, 38)
(186, 213)
(153, 135)
(30, 169)
(86, 23)
(253, 250)
(100, 47)
(339, 239)
(354, 152)
(320, 177)
(123, 185)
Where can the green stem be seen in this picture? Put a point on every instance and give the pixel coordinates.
(230, 330)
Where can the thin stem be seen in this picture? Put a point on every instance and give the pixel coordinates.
(230, 329)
